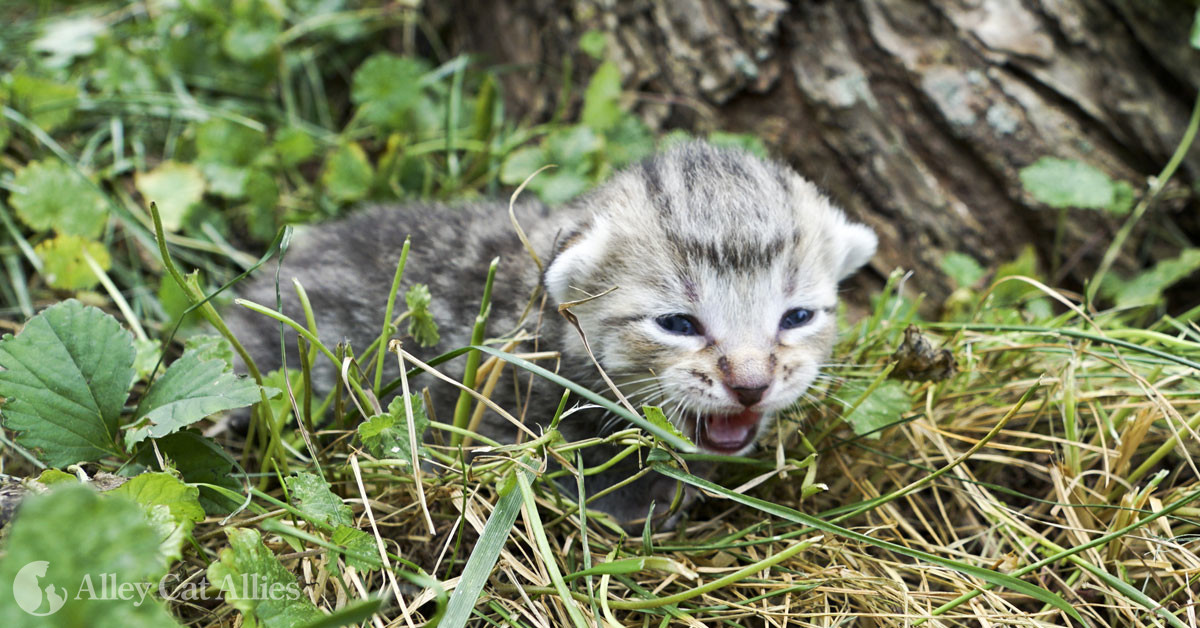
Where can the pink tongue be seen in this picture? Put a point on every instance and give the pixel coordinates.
(731, 431)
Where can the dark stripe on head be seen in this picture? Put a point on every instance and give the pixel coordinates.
(655, 191)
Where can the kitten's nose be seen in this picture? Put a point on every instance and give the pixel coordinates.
(748, 396)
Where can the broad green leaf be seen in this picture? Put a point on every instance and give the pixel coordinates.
(281, 403)
(174, 187)
(421, 325)
(164, 489)
(1011, 292)
(521, 163)
(386, 435)
(222, 141)
(50, 477)
(656, 417)
(62, 544)
(64, 266)
(46, 103)
(571, 148)
(365, 552)
(593, 44)
(146, 354)
(276, 598)
(962, 268)
(1063, 183)
(189, 390)
(312, 495)
(252, 34)
(1147, 287)
(294, 145)
(557, 187)
(628, 141)
(347, 176)
(208, 347)
(200, 461)
(171, 506)
(66, 377)
(601, 106)
(881, 408)
(386, 88)
(49, 195)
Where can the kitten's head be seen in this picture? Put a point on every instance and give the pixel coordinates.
(726, 268)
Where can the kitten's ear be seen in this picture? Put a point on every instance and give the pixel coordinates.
(577, 255)
(856, 246)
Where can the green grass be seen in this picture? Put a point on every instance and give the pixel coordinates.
(1053, 474)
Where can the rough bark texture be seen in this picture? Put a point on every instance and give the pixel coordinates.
(915, 116)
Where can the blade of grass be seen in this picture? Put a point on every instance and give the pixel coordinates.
(462, 411)
(483, 558)
(548, 556)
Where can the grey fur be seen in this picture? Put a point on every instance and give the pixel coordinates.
(718, 234)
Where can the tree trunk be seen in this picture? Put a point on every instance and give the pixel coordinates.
(915, 116)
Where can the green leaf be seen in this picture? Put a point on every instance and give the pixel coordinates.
(347, 176)
(190, 389)
(386, 435)
(421, 325)
(164, 489)
(208, 347)
(656, 417)
(174, 187)
(146, 352)
(601, 101)
(63, 264)
(49, 195)
(1147, 287)
(246, 569)
(386, 87)
(281, 403)
(571, 148)
(629, 141)
(881, 408)
(66, 377)
(221, 141)
(46, 103)
(60, 547)
(252, 34)
(1062, 183)
(170, 505)
(200, 461)
(312, 495)
(593, 43)
(557, 187)
(294, 145)
(360, 544)
(962, 268)
(521, 163)
(1012, 292)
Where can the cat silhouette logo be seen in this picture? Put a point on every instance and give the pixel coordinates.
(29, 594)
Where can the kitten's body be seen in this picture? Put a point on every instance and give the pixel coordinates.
(713, 253)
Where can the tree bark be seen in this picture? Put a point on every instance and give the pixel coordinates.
(915, 116)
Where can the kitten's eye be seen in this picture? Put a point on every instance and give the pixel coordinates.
(681, 324)
(796, 318)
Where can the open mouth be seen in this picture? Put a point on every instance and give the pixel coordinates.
(728, 434)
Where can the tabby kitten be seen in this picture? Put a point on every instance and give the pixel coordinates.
(725, 268)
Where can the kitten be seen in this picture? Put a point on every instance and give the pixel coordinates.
(725, 266)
